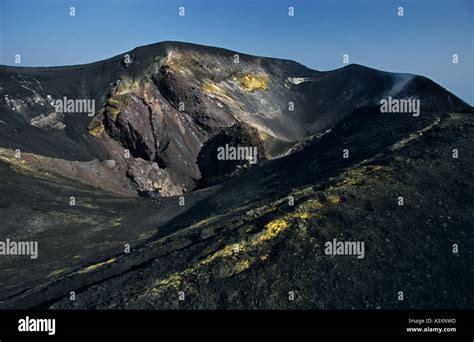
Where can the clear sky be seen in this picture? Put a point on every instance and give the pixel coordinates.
(370, 31)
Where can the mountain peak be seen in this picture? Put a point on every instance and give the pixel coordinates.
(171, 104)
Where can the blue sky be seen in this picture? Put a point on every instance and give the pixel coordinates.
(421, 42)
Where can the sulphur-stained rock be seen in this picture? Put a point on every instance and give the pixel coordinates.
(132, 127)
(140, 119)
(150, 177)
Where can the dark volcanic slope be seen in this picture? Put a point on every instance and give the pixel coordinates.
(238, 244)
(253, 255)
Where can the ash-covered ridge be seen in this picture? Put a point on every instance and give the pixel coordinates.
(160, 109)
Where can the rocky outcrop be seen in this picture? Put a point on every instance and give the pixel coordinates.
(151, 178)
(50, 121)
(213, 170)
